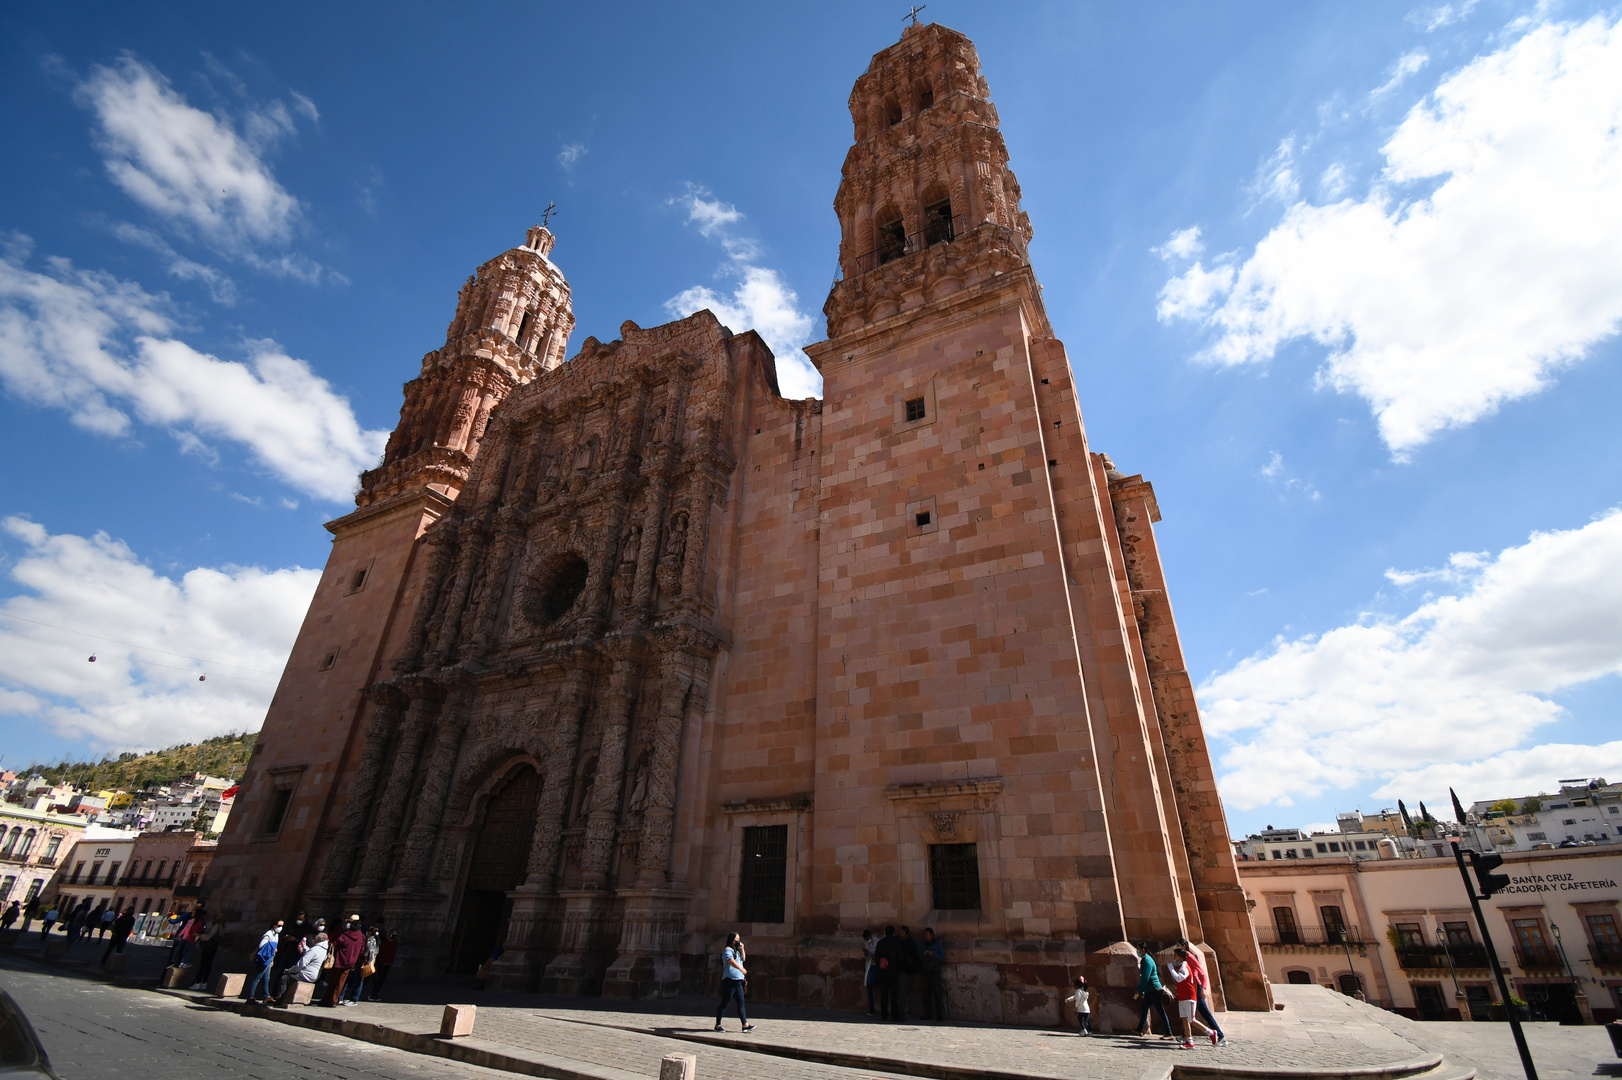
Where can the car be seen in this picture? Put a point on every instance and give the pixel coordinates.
(20, 1049)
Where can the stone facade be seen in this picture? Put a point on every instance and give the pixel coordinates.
(669, 654)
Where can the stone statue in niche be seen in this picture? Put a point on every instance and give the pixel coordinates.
(675, 552)
(639, 787)
(588, 781)
(625, 573)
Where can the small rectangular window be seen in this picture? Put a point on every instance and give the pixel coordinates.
(921, 519)
(273, 819)
(78, 868)
(360, 579)
(329, 660)
(763, 877)
(1323, 848)
(915, 409)
(954, 876)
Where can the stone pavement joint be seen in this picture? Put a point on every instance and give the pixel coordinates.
(1320, 1035)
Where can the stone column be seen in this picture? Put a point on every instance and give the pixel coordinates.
(659, 816)
(603, 814)
(439, 566)
(475, 538)
(433, 783)
(379, 852)
(388, 707)
(578, 966)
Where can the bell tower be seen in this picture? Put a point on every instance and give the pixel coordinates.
(513, 321)
(927, 197)
(1000, 655)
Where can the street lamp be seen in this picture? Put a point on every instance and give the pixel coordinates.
(1578, 987)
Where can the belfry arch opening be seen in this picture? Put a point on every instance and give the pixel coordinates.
(889, 235)
(892, 112)
(938, 220)
(499, 865)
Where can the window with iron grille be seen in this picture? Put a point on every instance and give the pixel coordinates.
(954, 876)
(763, 877)
(915, 409)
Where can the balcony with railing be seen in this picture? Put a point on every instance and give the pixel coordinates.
(1310, 936)
(893, 246)
(1538, 958)
(1436, 957)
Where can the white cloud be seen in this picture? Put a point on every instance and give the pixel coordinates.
(191, 168)
(93, 345)
(760, 300)
(221, 289)
(570, 155)
(153, 637)
(1332, 182)
(1275, 178)
(1439, 15)
(1287, 483)
(1183, 244)
(1409, 63)
(1455, 687)
(1439, 309)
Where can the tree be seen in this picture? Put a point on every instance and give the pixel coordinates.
(1502, 806)
(1532, 804)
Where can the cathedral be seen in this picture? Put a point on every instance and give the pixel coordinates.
(623, 651)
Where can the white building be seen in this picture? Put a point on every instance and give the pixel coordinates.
(1401, 931)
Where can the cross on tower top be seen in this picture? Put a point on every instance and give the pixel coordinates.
(913, 13)
(546, 218)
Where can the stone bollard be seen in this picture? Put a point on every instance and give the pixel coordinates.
(178, 977)
(297, 993)
(678, 1067)
(230, 984)
(457, 1021)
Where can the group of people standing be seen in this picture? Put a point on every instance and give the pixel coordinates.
(344, 967)
(897, 962)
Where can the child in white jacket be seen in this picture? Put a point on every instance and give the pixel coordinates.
(1083, 1006)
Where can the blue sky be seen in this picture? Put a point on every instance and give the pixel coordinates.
(1341, 280)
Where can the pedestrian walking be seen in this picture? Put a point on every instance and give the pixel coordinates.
(931, 960)
(264, 961)
(1151, 993)
(108, 917)
(734, 981)
(870, 970)
(345, 959)
(121, 933)
(888, 957)
(76, 919)
(30, 912)
(50, 921)
(1187, 996)
(11, 914)
(386, 952)
(307, 969)
(908, 971)
(1081, 1000)
(1196, 964)
(93, 923)
(208, 943)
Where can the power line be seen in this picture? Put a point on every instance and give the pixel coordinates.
(140, 648)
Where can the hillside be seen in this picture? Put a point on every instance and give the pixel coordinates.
(224, 755)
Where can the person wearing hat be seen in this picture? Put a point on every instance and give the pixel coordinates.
(346, 954)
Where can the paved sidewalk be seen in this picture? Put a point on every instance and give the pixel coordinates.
(1318, 1034)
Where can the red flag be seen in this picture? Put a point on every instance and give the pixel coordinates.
(231, 792)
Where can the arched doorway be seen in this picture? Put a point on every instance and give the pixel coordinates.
(500, 861)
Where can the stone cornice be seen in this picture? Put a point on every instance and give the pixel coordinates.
(941, 789)
(787, 804)
(420, 500)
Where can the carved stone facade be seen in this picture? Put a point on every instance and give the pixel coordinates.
(642, 623)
